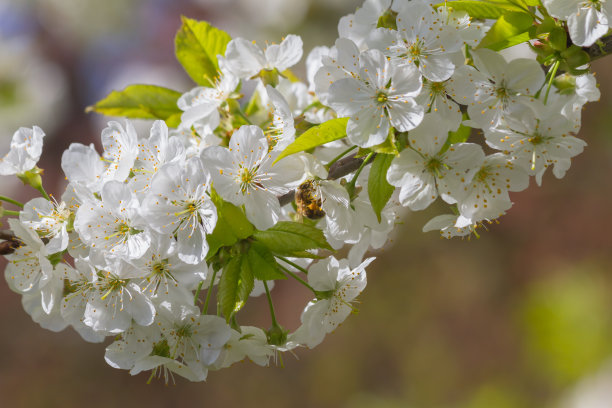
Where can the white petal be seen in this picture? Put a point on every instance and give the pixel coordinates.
(192, 245)
(286, 54)
(262, 209)
(368, 127)
(244, 58)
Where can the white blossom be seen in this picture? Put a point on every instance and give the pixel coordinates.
(382, 96)
(113, 224)
(120, 150)
(190, 343)
(423, 171)
(25, 151)
(153, 153)
(423, 40)
(343, 284)
(486, 196)
(246, 59)
(342, 61)
(282, 131)
(536, 143)
(103, 301)
(251, 343)
(179, 203)
(201, 104)
(50, 220)
(243, 174)
(83, 166)
(587, 21)
(498, 90)
(357, 26)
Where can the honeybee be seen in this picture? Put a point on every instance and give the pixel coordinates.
(308, 201)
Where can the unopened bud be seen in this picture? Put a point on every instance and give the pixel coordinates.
(32, 177)
(277, 336)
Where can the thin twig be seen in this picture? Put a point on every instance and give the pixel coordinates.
(349, 164)
(7, 235)
(10, 243)
(601, 48)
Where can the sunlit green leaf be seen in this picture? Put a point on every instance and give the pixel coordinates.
(197, 45)
(232, 226)
(386, 147)
(329, 131)
(142, 102)
(477, 9)
(510, 29)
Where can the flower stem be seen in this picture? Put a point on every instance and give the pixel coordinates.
(351, 185)
(310, 106)
(341, 155)
(297, 278)
(43, 192)
(296, 266)
(551, 79)
(210, 288)
(197, 294)
(272, 314)
(10, 200)
(9, 212)
(243, 116)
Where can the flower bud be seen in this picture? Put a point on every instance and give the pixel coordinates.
(32, 177)
(277, 336)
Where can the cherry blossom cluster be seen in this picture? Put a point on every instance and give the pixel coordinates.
(156, 230)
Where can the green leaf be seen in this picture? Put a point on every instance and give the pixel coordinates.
(235, 286)
(575, 57)
(246, 282)
(379, 190)
(237, 221)
(197, 45)
(558, 39)
(489, 9)
(304, 254)
(326, 132)
(477, 9)
(288, 238)
(510, 29)
(513, 5)
(141, 102)
(388, 146)
(461, 135)
(228, 286)
(232, 226)
(262, 262)
(221, 236)
(532, 3)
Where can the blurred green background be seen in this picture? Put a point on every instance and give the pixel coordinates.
(521, 317)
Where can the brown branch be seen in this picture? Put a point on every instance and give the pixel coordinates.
(10, 243)
(7, 235)
(601, 48)
(339, 169)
